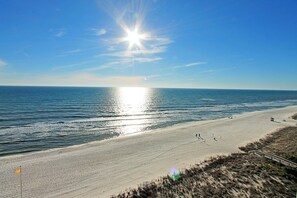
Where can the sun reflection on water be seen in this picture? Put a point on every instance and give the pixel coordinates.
(133, 102)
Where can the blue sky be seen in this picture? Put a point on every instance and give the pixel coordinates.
(248, 44)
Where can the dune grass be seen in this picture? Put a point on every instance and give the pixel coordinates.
(236, 175)
(282, 143)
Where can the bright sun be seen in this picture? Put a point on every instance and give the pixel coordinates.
(134, 38)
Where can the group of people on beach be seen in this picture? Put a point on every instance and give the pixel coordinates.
(200, 138)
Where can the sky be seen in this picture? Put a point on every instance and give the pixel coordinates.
(230, 44)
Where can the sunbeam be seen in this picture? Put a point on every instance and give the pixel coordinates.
(134, 38)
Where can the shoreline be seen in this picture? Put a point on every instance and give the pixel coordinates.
(107, 167)
(174, 126)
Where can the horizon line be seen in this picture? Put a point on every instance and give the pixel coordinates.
(76, 86)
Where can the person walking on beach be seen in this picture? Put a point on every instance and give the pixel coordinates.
(198, 136)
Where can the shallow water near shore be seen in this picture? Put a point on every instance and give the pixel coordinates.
(40, 118)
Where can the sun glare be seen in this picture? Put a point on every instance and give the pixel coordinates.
(134, 38)
(133, 101)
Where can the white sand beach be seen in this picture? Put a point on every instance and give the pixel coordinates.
(100, 169)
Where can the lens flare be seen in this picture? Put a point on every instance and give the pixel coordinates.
(134, 38)
(174, 174)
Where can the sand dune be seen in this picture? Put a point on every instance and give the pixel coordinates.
(101, 169)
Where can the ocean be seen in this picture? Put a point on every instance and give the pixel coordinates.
(40, 118)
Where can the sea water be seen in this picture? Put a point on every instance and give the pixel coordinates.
(40, 118)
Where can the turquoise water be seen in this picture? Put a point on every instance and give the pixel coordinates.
(39, 118)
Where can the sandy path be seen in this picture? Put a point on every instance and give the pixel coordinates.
(104, 168)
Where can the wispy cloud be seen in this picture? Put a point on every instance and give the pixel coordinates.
(104, 66)
(141, 52)
(73, 51)
(126, 62)
(111, 48)
(146, 60)
(77, 51)
(71, 65)
(2, 63)
(69, 52)
(99, 32)
(60, 33)
(119, 54)
(219, 70)
(151, 76)
(190, 65)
